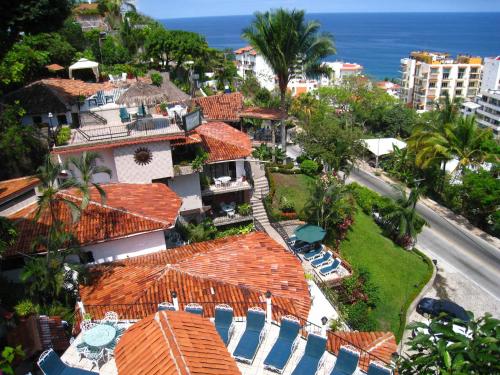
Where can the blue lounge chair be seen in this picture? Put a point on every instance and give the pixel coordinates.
(325, 271)
(346, 363)
(252, 337)
(100, 99)
(166, 306)
(284, 346)
(124, 115)
(224, 322)
(311, 255)
(141, 112)
(313, 354)
(194, 308)
(327, 257)
(50, 364)
(378, 369)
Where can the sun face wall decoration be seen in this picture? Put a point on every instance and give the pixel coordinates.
(143, 156)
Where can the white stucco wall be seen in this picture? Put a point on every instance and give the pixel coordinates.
(240, 168)
(129, 171)
(28, 119)
(188, 188)
(108, 160)
(8, 208)
(127, 247)
(264, 73)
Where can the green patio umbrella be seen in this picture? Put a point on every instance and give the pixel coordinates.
(310, 233)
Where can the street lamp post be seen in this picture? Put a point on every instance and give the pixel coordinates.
(49, 130)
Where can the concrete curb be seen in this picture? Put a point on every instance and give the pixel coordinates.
(414, 303)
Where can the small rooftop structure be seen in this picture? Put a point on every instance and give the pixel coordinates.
(382, 146)
(261, 113)
(54, 67)
(142, 93)
(124, 214)
(85, 64)
(222, 107)
(223, 142)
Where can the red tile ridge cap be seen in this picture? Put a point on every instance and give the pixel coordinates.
(380, 341)
(99, 204)
(173, 346)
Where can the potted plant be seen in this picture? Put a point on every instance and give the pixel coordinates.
(244, 209)
(25, 309)
(163, 109)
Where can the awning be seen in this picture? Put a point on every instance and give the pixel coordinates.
(85, 64)
(310, 233)
(382, 146)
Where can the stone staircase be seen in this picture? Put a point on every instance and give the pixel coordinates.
(260, 190)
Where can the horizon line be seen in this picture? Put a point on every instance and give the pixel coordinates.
(339, 12)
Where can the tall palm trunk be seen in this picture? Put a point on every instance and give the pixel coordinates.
(283, 126)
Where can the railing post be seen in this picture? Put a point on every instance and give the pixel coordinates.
(269, 307)
(175, 301)
(324, 320)
(81, 308)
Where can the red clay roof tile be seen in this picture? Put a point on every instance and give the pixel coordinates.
(223, 142)
(124, 214)
(237, 270)
(171, 343)
(223, 107)
(9, 188)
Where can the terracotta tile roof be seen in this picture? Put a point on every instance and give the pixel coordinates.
(261, 113)
(249, 49)
(224, 107)
(171, 343)
(237, 270)
(9, 188)
(54, 67)
(188, 140)
(124, 213)
(53, 94)
(223, 142)
(117, 143)
(380, 345)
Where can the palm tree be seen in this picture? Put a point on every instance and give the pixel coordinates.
(330, 203)
(288, 43)
(462, 140)
(87, 167)
(404, 219)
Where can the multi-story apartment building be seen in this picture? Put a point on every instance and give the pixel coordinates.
(427, 76)
(486, 106)
(339, 71)
(248, 61)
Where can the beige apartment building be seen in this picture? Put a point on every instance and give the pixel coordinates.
(427, 76)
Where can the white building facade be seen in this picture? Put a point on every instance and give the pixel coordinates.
(249, 62)
(426, 77)
(339, 71)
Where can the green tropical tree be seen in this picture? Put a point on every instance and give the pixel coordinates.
(403, 219)
(330, 204)
(289, 44)
(439, 349)
(462, 140)
(86, 166)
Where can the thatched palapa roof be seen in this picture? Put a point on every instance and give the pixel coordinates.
(142, 93)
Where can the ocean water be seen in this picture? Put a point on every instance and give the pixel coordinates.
(375, 40)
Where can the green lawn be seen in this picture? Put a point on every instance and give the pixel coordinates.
(295, 187)
(399, 274)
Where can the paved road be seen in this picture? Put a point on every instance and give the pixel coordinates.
(476, 259)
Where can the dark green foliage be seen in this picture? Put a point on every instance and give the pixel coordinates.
(63, 136)
(30, 17)
(309, 167)
(73, 33)
(156, 79)
(439, 349)
(21, 147)
(8, 234)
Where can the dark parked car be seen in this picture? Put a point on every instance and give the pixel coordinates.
(434, 307)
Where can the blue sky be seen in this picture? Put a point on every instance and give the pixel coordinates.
(202, 8)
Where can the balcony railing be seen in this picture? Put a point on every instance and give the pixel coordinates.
(233, 185)
(231, 219)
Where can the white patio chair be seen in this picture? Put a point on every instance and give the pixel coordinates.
(124, 76)
(110, 317)
(231, 214)
(86, 325)
(111, 78)
(218, 183)
(94, 356)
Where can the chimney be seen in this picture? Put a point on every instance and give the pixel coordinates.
(269, 307)
(175, 301)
